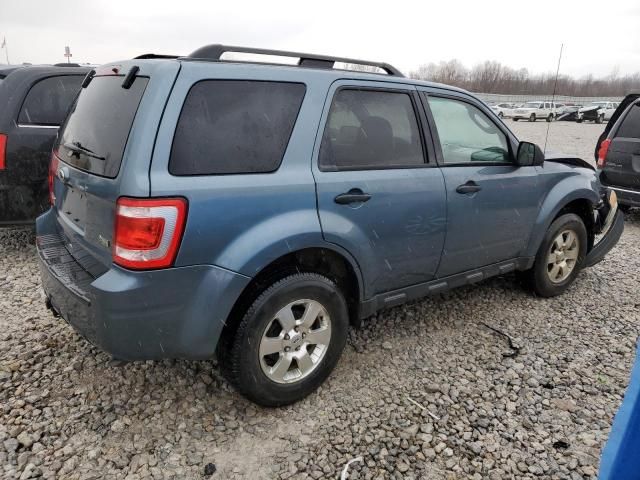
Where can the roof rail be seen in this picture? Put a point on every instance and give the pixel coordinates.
(146, 56)
(215, 52)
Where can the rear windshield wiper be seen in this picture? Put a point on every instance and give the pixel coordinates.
(77, 148)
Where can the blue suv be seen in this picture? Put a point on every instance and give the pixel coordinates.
(205, 205)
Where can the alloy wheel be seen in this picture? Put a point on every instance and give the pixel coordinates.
(295, 341)
(563, 256)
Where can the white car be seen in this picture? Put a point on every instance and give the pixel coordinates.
(503, 110)
(537, 110)
(597, 111)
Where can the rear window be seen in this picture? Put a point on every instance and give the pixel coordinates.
(95, 134)
(234, 126)
(48, 101)
(630, 127)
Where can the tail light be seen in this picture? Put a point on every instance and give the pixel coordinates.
(53, 169)
(148, 232)
(602, 152)
(3, 151)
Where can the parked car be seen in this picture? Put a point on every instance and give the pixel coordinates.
(34, 101)
(596, 112)
(533, 111)
(569, 112)
(618, 152)
(202, 204)
(503, 110)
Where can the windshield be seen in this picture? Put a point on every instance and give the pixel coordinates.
(532, 105)
(96, 131)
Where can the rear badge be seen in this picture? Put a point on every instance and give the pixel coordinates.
(104, 242)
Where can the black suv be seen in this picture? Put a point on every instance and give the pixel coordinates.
(618, 152)
(34, 101)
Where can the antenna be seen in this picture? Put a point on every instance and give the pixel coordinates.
(553, 98)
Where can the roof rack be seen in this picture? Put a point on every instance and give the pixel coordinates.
(309, 60)
(146, 56)
(66, 64)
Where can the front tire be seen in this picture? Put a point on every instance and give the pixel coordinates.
(550, 117)
(560, 256)
(515, 119)
(532, 117)
(600, 119)
(288, 342)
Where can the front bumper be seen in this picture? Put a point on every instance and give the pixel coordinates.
(610, 223)
(171, 313)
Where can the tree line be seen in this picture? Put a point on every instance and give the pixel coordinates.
(493, 77)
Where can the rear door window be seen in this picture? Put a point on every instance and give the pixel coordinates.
(48, 101)
(630, 127)
(371, 129)
(96, 132)
(235, 126)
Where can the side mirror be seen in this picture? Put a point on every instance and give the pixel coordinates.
(529, 155)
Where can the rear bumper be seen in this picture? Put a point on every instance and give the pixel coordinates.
(22, 203)
(171, 313)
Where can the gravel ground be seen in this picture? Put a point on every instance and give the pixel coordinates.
(426, 390)
(564, 137)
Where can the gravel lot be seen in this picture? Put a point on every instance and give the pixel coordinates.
(564, 137)
(422, 391)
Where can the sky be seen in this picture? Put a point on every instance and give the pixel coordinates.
(599, 37)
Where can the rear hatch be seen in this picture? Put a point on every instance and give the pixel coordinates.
(103, 151)
(622, 167)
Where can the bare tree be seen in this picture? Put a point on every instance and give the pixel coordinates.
(493, 77)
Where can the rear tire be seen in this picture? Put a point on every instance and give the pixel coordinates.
(550, 118)
(284, 320)
(532, 117)
(515, 119)
(600, 119)
(560, 256)
(500, 115)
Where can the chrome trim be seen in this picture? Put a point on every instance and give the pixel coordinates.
(624, 190)
(34, 125)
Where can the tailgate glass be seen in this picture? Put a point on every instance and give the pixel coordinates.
(95, 133)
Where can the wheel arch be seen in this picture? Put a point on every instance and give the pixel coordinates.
(580, 201)
(327, 260)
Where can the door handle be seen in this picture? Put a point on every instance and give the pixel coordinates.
(355, 195)
(469, 187)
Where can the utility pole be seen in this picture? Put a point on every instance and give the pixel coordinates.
(6, 49)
